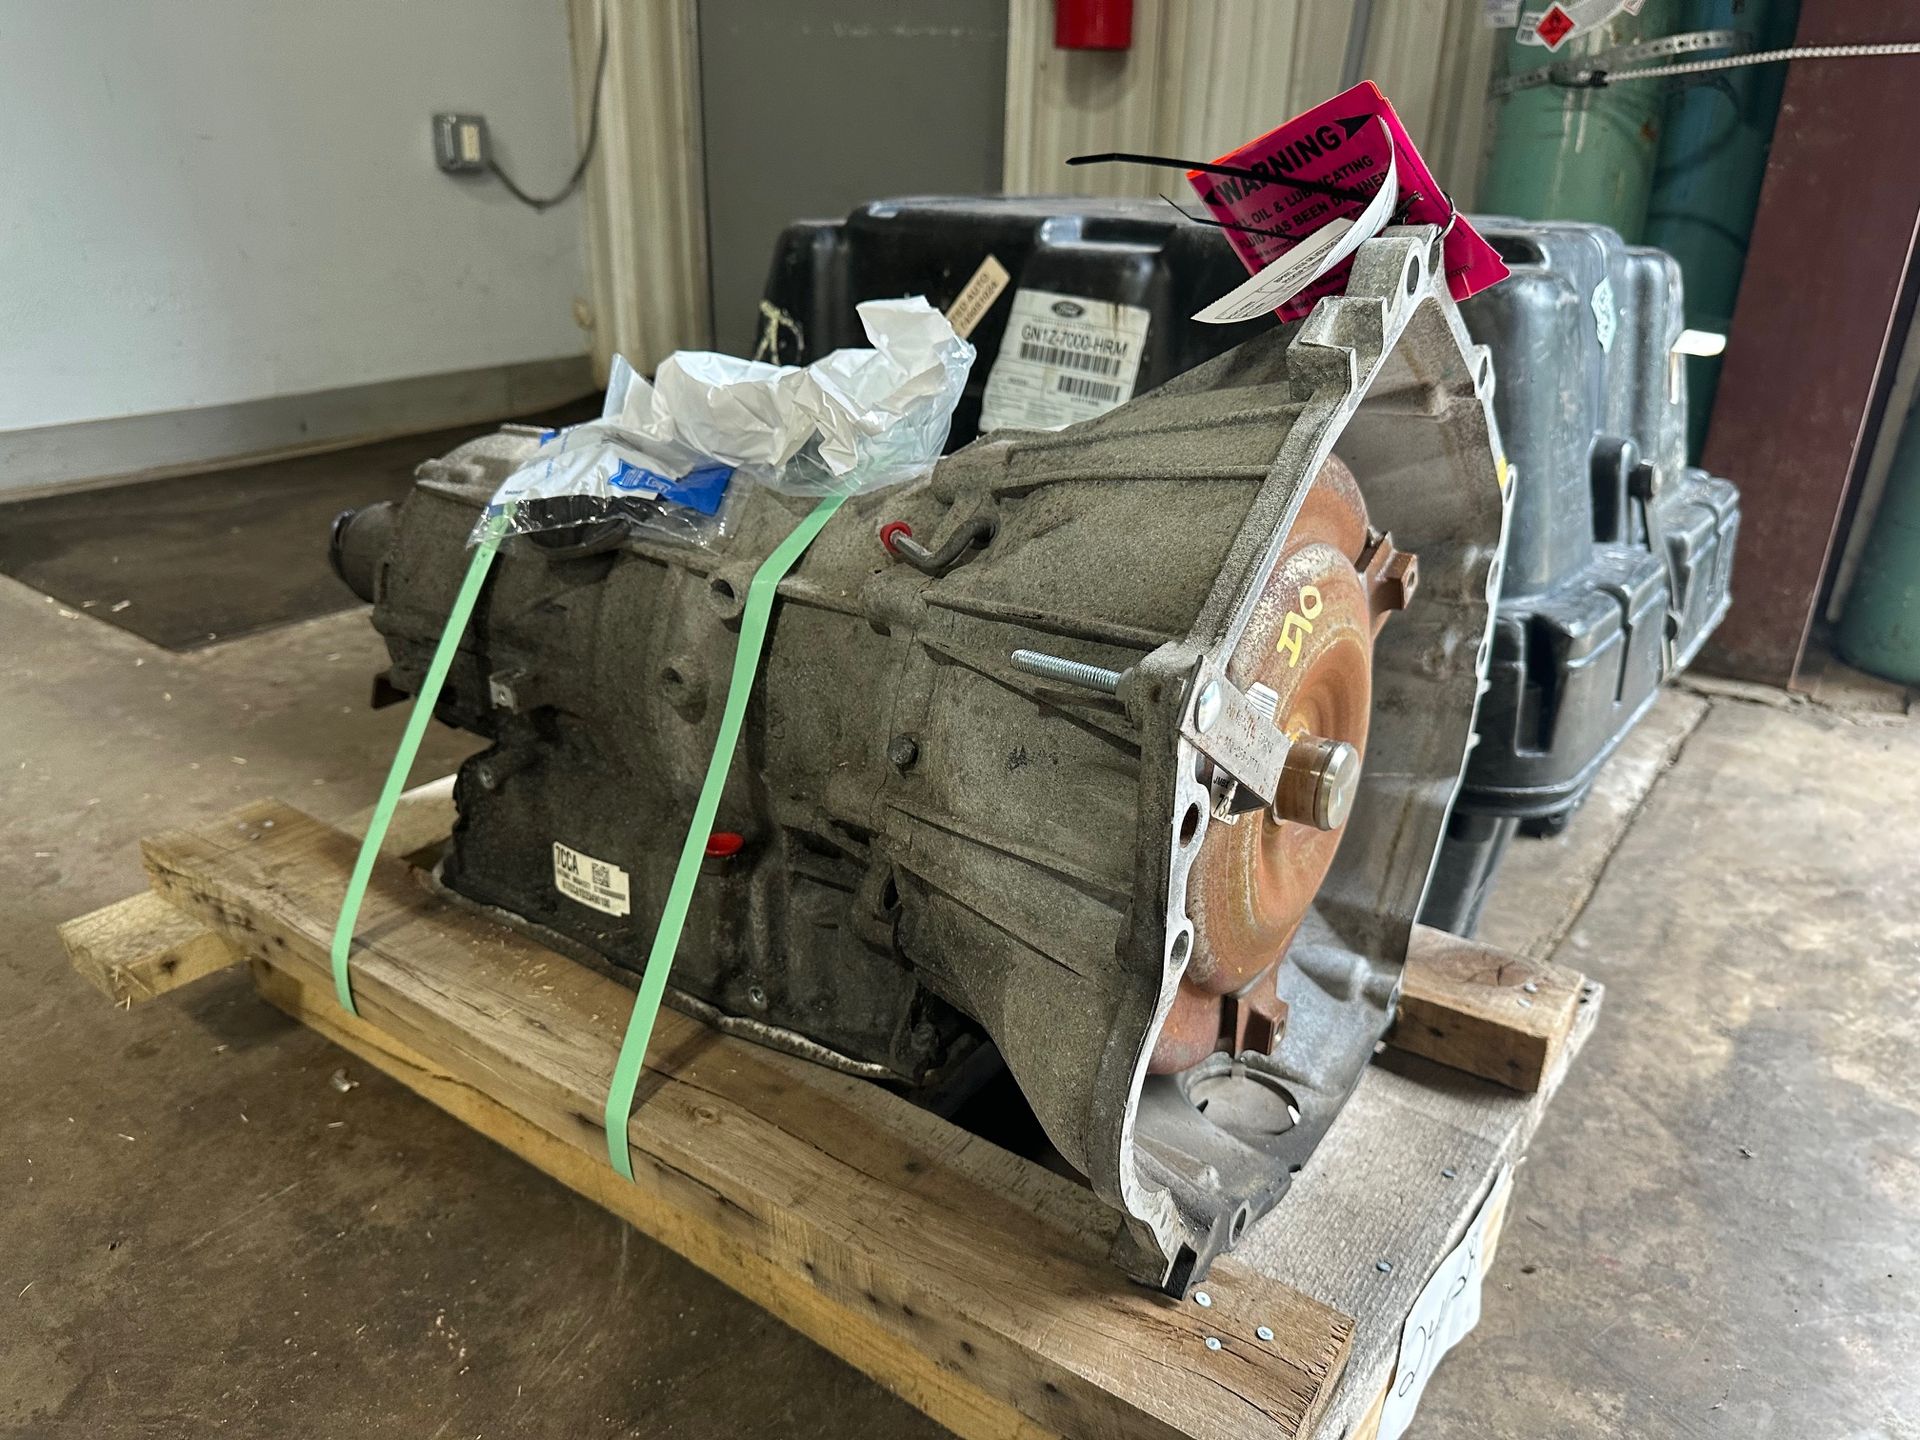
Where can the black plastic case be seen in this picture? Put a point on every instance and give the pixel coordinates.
(1619, 555)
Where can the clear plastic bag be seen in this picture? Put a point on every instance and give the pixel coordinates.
(676, 457)
(598, 475)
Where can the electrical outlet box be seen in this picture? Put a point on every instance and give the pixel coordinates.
(460, 145)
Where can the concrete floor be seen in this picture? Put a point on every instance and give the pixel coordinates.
(1718, 1232)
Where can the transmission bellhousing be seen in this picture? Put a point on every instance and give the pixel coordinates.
(1170, 880)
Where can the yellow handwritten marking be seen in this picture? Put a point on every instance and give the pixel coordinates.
(1298, 625)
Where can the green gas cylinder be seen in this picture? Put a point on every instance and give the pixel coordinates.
(1706, 179)
(1880, 627)
(1566, 153)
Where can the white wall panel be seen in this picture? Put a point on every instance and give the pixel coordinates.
(206, 203)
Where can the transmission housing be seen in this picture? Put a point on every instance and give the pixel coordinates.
(1129, 767)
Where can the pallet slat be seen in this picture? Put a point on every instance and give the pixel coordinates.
(141, 948)
(1372, 1194)
(972, 1283)
(1485, 1011)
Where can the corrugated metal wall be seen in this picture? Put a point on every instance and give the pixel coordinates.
(1204, 75)
(646, 191)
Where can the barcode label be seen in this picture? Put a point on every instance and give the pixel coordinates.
(1087, 389)
(598, 883)
(1070, 359)
(1063, 358)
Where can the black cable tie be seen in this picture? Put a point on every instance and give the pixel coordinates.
(1236, 172)
(1225, 224)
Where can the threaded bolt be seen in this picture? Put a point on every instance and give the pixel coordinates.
(1069, 672)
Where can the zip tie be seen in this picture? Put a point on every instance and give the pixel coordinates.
(666, 939)
(423, 703)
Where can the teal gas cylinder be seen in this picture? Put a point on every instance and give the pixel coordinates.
(1561, 153)
(1706, 179)
(1880, 628)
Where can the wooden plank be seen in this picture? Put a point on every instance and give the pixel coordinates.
(960, 1406)
(1483, 1010)
(892, 1237)
(1368, 1426)
(422, 820)
(1399, 1178)
(139, 948)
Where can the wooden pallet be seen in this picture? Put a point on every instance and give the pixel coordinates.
(971, 1282)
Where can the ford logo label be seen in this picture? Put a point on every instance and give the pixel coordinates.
(1068, 310)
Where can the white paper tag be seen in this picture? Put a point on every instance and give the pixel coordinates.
(1270, 288)
(1606, 316)
(1502, 14)
(1064, 358)
(977, 297)
(1700, 342)
(1448, 1307)
(598, 883)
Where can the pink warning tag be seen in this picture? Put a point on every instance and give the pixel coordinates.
(1337, 146)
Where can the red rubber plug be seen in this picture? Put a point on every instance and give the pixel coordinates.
(723, 844)
(891, 530)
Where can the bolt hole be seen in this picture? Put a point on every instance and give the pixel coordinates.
(1240, 1218)
(672, 678)
(1190, 824)
(723, 591)
(890, 895)
(1413, 275)
(1180, 947)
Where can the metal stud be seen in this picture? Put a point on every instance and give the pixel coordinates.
(1068, 672)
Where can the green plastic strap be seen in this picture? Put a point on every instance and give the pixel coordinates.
(686, 875)
(409, 747)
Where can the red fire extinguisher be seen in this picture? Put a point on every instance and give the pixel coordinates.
(1093, 24)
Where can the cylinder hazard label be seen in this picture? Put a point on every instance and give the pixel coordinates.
(1064, 358)
(597, 883)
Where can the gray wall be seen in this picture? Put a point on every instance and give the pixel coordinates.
(812, 106)
(205, 203)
